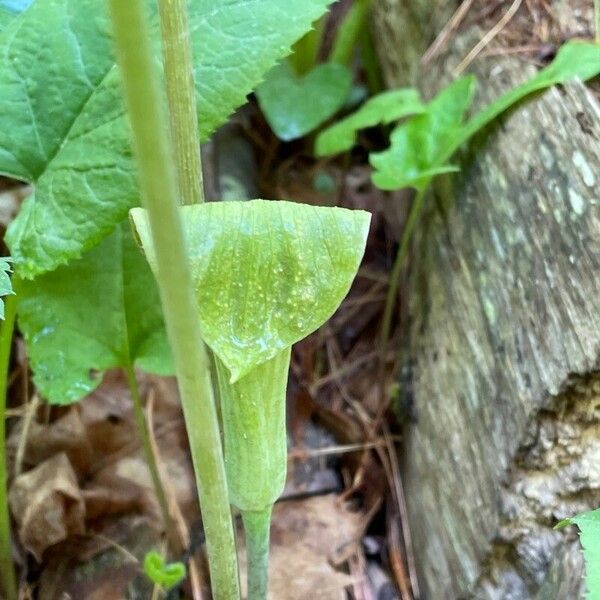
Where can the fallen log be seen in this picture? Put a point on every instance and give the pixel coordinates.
(502, 331)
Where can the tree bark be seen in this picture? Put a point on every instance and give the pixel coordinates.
(503, 331)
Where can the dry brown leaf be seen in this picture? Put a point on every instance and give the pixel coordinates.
(47, 504)
(67, 434)
(304, 536)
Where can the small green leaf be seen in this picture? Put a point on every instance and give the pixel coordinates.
(382, 109)
(266, 273)
(589, 527)
(421, 147)
(5, 283)
(403, 164)
(99, 312)
(161, 573)
(62, 120)
(294, 106)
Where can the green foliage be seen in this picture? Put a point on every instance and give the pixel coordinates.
(98, 312)
(382, 109)
(296, 105)
(5, 283)
(589, 527)
(63, 124)
(421, 147)
(167, 575)
(266, 273)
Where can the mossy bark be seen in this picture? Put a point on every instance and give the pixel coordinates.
(502, 331)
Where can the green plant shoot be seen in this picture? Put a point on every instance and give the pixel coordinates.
(409, 163)
(166, 575)
(589, 527)
(266, 274)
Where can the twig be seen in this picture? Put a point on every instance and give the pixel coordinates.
(446, 32)
(336, 450)
(488, 37)
(27, 419)
(398, 494)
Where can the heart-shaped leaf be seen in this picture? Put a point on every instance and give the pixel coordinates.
(295, 106)
(62, 119)
(266, 273)
(99, 312)
(5, 283)
(382, 109)
(167, 575)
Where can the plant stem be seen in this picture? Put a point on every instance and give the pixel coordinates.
(306, 49)
(144, 435)
(349, 31)
(181, 96)
(257, 525)
(6, 564)
(159, 191)
(390, 300)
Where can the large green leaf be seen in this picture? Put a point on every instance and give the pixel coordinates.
(382, 109)
(294, 106)
(62, 121)
(5, 283)
(421, 147)
(98, 312)
(589, 527)
(419, 150)
(266, 273)
(9, 9)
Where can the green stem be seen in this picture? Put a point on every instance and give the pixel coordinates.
(159, 191)
(181, 95)
(348, 33)
(6, 564)
(257, 525)
(306, 49)
(144, 435)
(390, 300)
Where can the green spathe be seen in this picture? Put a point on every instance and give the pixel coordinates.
(62, 118)
(266, 273)
(254, 438)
